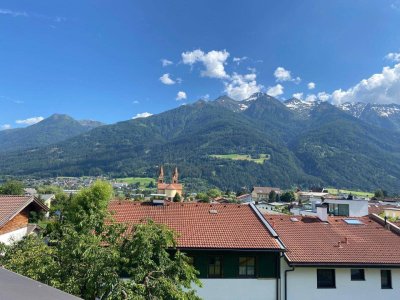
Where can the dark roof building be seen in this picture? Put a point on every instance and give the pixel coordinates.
(17, 287)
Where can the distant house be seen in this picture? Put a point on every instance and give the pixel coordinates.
(169, 190)
(15, 287)
(246, 198)
(261, 193)
(15, 213)
(235, 250)
(338, 258)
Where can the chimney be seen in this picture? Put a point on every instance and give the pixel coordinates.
(339, 244)
(346, 240)
(322, 213)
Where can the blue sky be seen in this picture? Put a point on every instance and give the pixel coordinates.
(103, 60)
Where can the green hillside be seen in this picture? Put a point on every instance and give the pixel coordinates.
(329, 148)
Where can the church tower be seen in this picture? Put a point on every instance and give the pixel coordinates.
(161, 176)
(175, 176)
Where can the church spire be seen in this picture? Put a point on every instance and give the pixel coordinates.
(161, 176)
(175, 176)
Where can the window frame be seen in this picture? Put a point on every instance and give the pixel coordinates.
(332, 286)
(221, 275)
(357, 279)
(389, 278)
(255, 267)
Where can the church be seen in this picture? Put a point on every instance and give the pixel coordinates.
(169, 189)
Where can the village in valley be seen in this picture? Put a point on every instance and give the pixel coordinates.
(265, 244)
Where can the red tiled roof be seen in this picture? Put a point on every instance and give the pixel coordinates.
(379, 208)
(310, 241)
(11, 205)
(198, 226)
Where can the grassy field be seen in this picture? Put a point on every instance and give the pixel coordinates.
(261, 160)
(334, 191)
(144, 181)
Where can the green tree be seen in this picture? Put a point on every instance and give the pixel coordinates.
(379, 194)
(156, 269)
(272, 196)
(288, 196)
(177, 198)
(203, 197)
(85, 252)
(214, 193)
(12, 187)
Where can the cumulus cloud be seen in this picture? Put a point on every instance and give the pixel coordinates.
(142, 115)
(311, 85)
(382, 88)
(242, 86)
(298, 96)
(166, 62)
(281, 75)
(212, 61)
(275, 91)
(30, 121)
(5, 127)
(166, 79)
(323, 96)
(393, 56)
(181, 96)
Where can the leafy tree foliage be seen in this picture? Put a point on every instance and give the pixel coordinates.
(12, 187)
(83, 252)
(288, 196)
(177, 198)
(272, 196)
(214, 193)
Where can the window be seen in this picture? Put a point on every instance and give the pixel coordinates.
(357, 274)
(386, 279)
(247, 266)
(326, 279)
(215, 266)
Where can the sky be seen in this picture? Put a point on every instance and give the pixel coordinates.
(115, 60)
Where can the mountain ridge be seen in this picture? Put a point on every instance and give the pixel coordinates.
(328, 147)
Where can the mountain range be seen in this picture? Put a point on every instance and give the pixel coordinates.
(307, 144)
(54, 129)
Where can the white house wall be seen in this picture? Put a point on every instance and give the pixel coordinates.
(237, 289)
(302, 284)
(12, 236)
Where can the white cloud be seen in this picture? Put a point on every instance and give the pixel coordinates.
(30, 121)
(5, 127)
(323, 96)
(166, 62)
(166, 79)
(275, 91)
(281, 75)
(242, 86)
(238, 60)
(212, 61)
(298, 96)
(393, 56)
(181, 96)
(311, 98)
(142, 115)
(135, 102)
(13, 13)
(380, 88)
(311, 85)
(205, 97)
